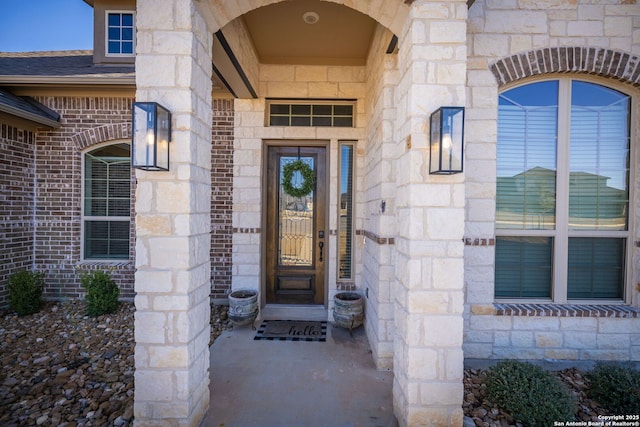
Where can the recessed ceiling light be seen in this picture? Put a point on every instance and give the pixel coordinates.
(310, 17)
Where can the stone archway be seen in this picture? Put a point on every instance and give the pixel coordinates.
(391, 14)
(173, 58)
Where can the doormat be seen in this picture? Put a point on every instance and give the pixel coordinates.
(292, 330)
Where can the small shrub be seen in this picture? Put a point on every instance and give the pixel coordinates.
(25, 292)
(529, 394)
(615, 387)
(102, 293)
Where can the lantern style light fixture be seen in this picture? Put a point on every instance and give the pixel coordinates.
(447, 140)
(151, 136)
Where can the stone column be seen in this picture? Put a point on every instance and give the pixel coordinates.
(173, 221)
(428, 359)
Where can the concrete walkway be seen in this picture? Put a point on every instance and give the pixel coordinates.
(297, 384)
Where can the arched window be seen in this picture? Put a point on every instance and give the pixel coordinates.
(562, 199)
(107, 203)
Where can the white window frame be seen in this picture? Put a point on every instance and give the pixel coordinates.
(85, 218)
(561, 232)
(106, 33)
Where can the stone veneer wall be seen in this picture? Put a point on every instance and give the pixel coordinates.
(294, 82)
(16, 203)
(508, 44)
(379, 187)
(221, 197)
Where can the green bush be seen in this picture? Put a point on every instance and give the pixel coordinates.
(615, 387)
(25, 292)
(529, 394)
(102, 293)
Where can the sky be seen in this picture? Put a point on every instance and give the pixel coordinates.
(37, 25)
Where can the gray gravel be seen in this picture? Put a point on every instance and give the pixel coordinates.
(62, 368)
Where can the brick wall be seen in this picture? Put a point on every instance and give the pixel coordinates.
(16, 203)
(221, 197)
(43, 169)
(86, 122)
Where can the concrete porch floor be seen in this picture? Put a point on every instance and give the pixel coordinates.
(297, 384)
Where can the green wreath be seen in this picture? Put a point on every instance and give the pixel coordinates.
(308, 178)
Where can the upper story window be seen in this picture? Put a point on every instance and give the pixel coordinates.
(307, 114)
(107, 202)
(562, 199)
(120, 32)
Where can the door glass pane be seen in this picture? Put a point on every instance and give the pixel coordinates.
(596, 268)
(599, 158)
(523, 267)
(526, 157)
(345, 226)
(295, 219)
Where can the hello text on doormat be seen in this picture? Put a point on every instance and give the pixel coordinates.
(292, 330)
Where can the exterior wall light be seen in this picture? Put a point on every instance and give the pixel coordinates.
(447, 140)
(151, 136)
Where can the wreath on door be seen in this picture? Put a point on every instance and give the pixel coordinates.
(308, 178)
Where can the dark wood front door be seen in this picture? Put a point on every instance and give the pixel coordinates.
(296, 228)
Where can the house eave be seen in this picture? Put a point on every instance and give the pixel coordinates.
(67, 80)
(17, 112)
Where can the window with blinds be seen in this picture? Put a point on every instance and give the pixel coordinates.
(562, 195)
(107, 203)
(345, 224)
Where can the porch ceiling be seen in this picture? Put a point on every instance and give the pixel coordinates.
(285, 33)
(337, 35)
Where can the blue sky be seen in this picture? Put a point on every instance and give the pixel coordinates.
(36, 25)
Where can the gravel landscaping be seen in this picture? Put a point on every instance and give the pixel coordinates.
(63, 368)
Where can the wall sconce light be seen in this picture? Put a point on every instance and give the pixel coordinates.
(447, 140)
(151, 136)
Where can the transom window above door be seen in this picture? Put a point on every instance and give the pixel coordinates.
(310, 113)
(562, 196)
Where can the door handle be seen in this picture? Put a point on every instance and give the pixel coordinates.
(321, 245)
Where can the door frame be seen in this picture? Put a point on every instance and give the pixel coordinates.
(266, 143)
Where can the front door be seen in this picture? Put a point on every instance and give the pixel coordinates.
(296, 225)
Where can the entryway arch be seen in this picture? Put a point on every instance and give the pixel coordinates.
(391, 14)
(173, 265)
